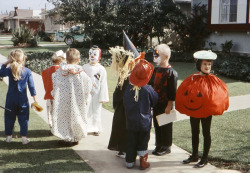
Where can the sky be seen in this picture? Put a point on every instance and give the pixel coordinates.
(24, 4)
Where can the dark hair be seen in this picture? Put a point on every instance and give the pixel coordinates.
(198, 63)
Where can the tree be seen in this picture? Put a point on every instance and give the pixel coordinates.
(104, 20)
(193, 30)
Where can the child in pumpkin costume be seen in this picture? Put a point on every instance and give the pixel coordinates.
(138, 100)
(200, 96)
(164, 82)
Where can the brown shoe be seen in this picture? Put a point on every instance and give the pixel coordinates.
(143, 162)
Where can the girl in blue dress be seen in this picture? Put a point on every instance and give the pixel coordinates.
(17, 102)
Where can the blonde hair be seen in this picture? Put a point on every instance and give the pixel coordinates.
(17, 61)
(164, 50)
(72, 55)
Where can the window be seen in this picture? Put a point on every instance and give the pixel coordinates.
(228, 11)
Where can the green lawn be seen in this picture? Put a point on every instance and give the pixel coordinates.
(6, 43)
(10, 43)
(43, 154)
(230, 139)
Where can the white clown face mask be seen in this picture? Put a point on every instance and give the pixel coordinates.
(157, 60)
(94, 55)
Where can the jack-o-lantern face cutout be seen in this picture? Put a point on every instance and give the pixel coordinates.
(193, 101)
(202, 96)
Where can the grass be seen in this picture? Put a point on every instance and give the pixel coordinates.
(230, 139)
(43, 154)
(6, 43)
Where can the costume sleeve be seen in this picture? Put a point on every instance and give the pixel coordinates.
(31, 85)
(104, 93)
(172, 85)
(151, 81)
(53, 83)
(118, 93)
(44, 77)
(4, 71)
(153, 96)
(87, 85)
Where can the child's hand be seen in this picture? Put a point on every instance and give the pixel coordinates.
(168, 109)
(7, 62)
(73, 72)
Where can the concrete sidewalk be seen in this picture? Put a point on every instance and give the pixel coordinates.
(93, 149)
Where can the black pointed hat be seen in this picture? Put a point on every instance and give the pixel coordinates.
(128, 45)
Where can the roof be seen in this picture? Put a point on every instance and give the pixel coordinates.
(2, 16)
(24, 14)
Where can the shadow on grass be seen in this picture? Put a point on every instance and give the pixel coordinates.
(32, 133)
(17, 144)
(60, 160)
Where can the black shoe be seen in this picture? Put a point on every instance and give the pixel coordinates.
(201, 164)
(157, 149)
(163, 151)
(190, 159)
(74, 143)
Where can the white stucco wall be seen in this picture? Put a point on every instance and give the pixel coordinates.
(241, 41)
(51, 27)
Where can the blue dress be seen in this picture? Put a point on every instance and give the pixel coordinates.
(17, 100)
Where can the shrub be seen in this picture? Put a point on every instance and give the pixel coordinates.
(39, 61)
(24, 37)
(227, 46)
(45, 36)
(233, 65)
(178, 56)
(193, 31)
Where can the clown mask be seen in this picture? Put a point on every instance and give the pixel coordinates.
(94, 55)
(157, 58)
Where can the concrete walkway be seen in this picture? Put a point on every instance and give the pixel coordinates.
(93, 149)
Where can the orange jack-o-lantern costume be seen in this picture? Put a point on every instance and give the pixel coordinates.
(201, 96)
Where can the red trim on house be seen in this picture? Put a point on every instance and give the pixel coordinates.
(228, 27)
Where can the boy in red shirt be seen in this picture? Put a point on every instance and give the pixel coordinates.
(57, 58)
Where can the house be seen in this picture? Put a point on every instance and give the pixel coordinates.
(1, 21)
(51, 24)
(228, 20)
(31, 18)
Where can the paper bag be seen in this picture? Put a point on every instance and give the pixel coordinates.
(164, 118)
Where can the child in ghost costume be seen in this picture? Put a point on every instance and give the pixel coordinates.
(71, 93)
(99, 93)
